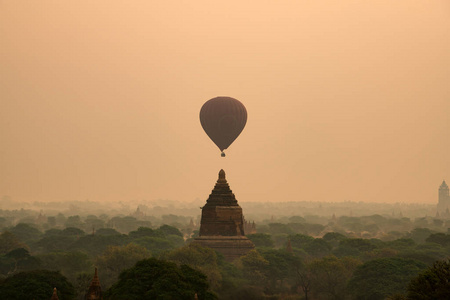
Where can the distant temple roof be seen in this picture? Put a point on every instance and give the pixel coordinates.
(443, 185)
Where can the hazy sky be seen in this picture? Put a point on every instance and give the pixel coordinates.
(346, 100)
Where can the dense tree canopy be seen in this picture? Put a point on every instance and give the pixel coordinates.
(8, 242)
(37, 284)
(433, 283)
(261, 240)
(115, 259)
(26, 232)
(272, 271)
(158, 279)
(330, 275)
(379, 278)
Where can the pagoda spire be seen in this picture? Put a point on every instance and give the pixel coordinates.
(95, 280)
(221, 195)
(95, 291)
(55, 295)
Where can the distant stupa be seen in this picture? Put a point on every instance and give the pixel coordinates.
(222, 223)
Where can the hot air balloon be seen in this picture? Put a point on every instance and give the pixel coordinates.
(223, 119)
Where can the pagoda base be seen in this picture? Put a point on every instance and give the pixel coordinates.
(232, 247)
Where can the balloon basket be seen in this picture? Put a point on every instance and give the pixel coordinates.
(222, 154)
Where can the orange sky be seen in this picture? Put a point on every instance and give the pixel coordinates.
(346, 100)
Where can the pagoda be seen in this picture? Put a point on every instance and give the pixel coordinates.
(55, 295)
(95, 291)
(222, 223)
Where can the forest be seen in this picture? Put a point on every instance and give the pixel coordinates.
(391, 254)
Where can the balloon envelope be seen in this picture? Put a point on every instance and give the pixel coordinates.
(223, 119)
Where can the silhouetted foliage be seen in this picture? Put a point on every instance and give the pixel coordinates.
(433, 283)
(18, 260)
(145, 232)
(25, 232)
(36, 285)
(439, 238)
(107, 231)
(261, 239)
(9, 241)
(69, 263)
(379, 278)
(96, 244)
(157, 279)
(170, 230)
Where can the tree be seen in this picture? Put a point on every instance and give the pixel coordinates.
(433, 283)
(318, 248)
(60, 219)
(158, 279)
(313, 229)
(8, 242)
(53, 243)
(353, 247)
(282, 265)
(93, 223)
(51, 221)
(18, 260)
(170, 230)
(427, 253)
(145, 232)
(107, 231)
(300, 240)
(176, 240)
(37, 284)
(69, 263)
(200, 258)
(115, 259)
(82, 283)
(72, 231)
(360, 244)
(74, 221)
(330, 275)
(156, 245)
(401, 244)
(439, 238)
(304, 279)
(26, 232)
(419, 235)
(254, 267)
(127, 224)
(279, 228)
(333, 236)
(296, 219)
(96, 244)
(379, 278)
(261, 239)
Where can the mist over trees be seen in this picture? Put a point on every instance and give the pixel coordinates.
(304, 250)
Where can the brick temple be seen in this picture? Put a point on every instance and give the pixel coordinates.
(222, 223)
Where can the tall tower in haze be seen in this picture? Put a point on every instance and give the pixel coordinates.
(444, 199)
